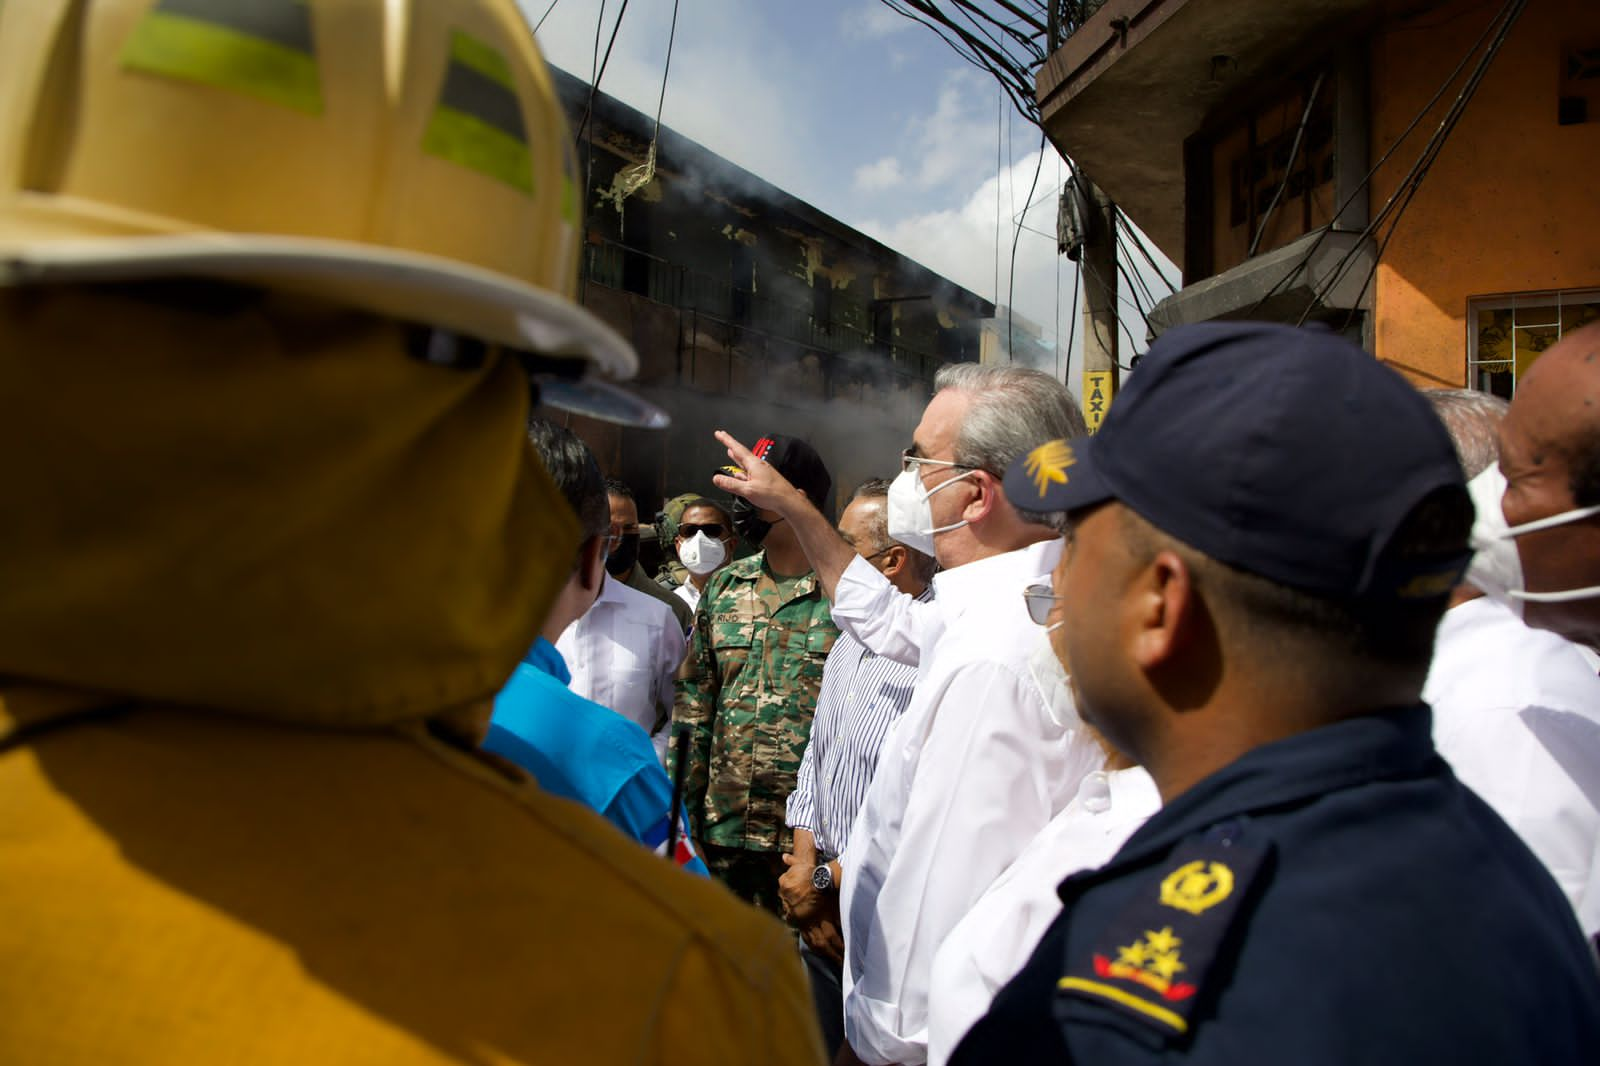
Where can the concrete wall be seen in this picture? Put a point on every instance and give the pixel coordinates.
(1511, 205)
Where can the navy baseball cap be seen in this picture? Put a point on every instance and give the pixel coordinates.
(797, 461)
(1288, 453)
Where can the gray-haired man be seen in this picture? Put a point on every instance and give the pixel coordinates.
(988, 750)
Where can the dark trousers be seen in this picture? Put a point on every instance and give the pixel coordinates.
(752, 875)
(827, 993)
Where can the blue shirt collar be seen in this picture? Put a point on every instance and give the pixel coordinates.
(544, 658)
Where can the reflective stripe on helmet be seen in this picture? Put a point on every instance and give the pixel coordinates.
(263, 48)
(478, 123)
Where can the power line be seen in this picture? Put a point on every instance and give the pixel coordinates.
(1432, 149)
(1011, 288)
(1121, 297)
(1121, 320)
(636, 177)
(1133, 276)
(1406, 188)
(1133, 237)
(1020, 215)
(600, 71)
(544, 16)
(1056, 331)
(999, 163)
(1011, 55)
(1288, 168)
(1072, 320)
(1361, 186)
(672, 35)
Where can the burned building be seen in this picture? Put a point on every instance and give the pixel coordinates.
(751, 310)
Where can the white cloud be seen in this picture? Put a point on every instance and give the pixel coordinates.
(961, 127)
(964, 243)
(761, 125)
(876, 177)
(873, 22)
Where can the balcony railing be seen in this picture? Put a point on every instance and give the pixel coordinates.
(1067, 17)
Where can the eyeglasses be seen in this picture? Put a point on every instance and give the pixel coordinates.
(1040, 598)
(713, 530)
(908, 461)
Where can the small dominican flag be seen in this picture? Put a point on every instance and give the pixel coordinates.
(685, 855)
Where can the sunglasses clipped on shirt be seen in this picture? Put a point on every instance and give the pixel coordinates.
(1039, 599)
(714, 530)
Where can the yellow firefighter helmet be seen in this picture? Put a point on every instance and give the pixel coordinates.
(403, 157)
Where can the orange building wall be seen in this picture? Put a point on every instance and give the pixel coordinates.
(1512, 203)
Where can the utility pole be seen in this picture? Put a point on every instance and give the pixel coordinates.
(1100, 377)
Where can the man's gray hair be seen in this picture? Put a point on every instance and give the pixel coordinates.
(1473, 419)
(1012, 410)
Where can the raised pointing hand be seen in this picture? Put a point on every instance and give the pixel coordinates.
(761, 483)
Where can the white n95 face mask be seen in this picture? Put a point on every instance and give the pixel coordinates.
(910, 514)
(702, 554)
(1496, 566)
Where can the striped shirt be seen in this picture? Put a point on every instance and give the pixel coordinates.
(862, 696)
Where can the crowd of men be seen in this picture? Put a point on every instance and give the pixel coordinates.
(340, 721)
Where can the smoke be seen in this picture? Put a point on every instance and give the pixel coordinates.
(856, 408)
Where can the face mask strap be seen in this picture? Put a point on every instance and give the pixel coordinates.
(927, 494)
(1576, 515)
(1563, 596)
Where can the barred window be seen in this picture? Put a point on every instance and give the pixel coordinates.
(1507, 333)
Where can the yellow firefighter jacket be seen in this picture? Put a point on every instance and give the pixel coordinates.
(260, 576)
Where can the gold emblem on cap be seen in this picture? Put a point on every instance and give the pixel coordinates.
(1197, 886)
(1048, 462)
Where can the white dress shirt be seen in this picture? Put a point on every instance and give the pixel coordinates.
(623, 653)
(688, 594)
(988, 751)
(1516, 713)
(999, 933)
(892, 624)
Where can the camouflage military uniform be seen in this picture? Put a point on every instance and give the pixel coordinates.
(748, 688)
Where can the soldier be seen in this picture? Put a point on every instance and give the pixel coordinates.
(749, 685)
(702, 545)
(670, 571)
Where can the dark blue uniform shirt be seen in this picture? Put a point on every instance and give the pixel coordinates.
(1336, 897)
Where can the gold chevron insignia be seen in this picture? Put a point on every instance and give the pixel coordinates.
(1048, 462)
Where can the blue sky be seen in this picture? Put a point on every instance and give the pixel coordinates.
(855, 109)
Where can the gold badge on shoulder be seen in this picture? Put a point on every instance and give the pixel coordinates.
(1152, 963)
(1197, 886)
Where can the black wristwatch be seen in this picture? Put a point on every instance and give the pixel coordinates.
(822, 877)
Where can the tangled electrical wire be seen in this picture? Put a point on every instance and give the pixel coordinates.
(1008, 39)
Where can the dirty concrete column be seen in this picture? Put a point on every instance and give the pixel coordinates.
(1100, 284)
(1100, 329)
